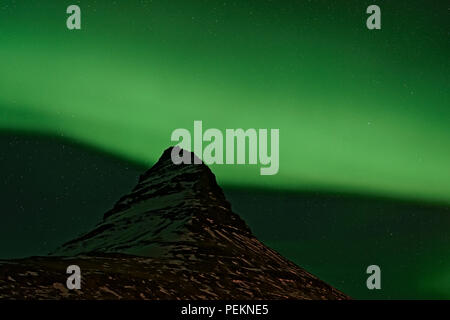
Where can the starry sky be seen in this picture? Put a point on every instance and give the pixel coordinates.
(360, 112)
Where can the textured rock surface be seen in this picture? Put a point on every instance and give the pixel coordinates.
(173, 237)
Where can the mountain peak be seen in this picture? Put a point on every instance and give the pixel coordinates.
(174, 236)
(170, 203)
(166, 178)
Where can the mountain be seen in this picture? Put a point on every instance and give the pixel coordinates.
(174, 236)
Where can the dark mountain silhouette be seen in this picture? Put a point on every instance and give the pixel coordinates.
(173, 237)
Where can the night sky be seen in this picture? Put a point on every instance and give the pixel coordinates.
(363, 116)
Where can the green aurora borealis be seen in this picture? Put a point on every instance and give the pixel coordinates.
(359, 112)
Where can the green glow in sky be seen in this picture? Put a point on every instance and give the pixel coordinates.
(358, 110)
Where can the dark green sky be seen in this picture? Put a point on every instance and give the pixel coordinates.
(360, 112)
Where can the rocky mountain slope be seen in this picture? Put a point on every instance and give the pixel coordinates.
(173, 237)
